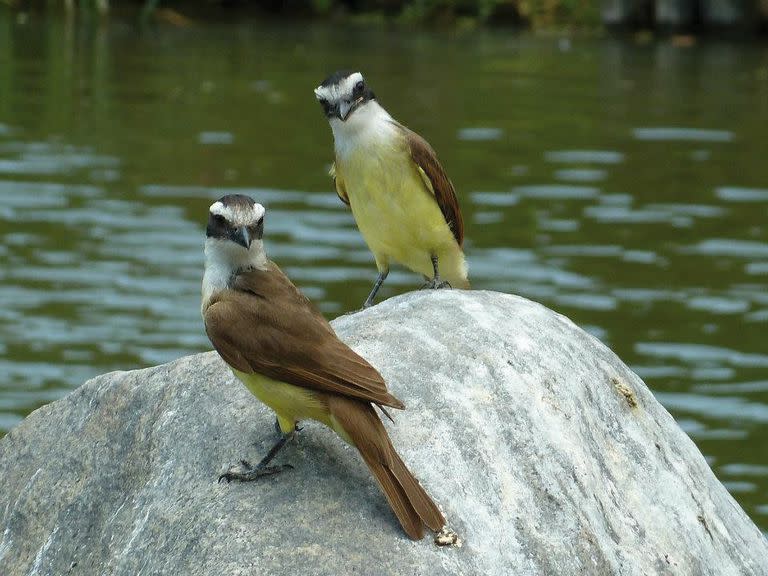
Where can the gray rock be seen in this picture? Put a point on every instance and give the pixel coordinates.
(547, 454)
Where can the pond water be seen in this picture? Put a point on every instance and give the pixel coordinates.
(622, 184)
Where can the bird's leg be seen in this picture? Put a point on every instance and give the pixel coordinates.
(279, 430)
(245, 472)
(379, 281)
(435, 283)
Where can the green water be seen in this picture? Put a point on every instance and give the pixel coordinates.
(623, 185)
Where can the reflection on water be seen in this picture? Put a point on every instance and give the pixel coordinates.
(683, 134)
(736, 194)
(624, 186)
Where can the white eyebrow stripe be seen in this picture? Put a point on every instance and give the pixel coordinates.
(338, 91)
(219, 209)
(238, 215)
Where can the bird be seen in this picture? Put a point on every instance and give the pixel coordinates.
(403, 202)
(287, 354)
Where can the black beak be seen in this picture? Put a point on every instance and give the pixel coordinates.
(241, 236)
(346, 107)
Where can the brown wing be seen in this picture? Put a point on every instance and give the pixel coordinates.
(338, 181)
(265, 325)
(436, 181)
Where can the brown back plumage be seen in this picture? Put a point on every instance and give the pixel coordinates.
(263, 324)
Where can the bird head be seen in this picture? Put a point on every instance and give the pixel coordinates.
(235, 223)
(342, 93)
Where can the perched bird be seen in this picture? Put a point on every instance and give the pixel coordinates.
(289, 357)
(403, 202)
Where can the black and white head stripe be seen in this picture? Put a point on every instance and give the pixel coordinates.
(342, 93)
(339, 85)
(338, 76)
(234, 212)
(237, 210)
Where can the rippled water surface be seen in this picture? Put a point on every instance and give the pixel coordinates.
(623, 185)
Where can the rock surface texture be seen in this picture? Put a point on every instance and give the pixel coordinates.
(546, 453)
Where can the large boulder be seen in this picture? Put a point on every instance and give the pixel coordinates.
(546, 453)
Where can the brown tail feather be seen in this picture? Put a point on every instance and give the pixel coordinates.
(410, 503)
(420, 501)
(398, 499)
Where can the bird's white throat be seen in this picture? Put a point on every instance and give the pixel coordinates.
(369, 125)
(223, 258)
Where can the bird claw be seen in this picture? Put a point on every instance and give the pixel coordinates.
(436, 284)
(367, 304)
(245, 472)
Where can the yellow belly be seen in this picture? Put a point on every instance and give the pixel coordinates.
(290, 403)
(397, 215)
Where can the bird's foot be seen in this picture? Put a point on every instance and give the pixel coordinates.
(352, 312)
(244, 472)
(436, 284)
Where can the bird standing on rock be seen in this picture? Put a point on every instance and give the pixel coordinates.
(404, 204)
(285, 352)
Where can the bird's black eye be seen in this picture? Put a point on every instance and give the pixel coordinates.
(359, 87)
(217, 226)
